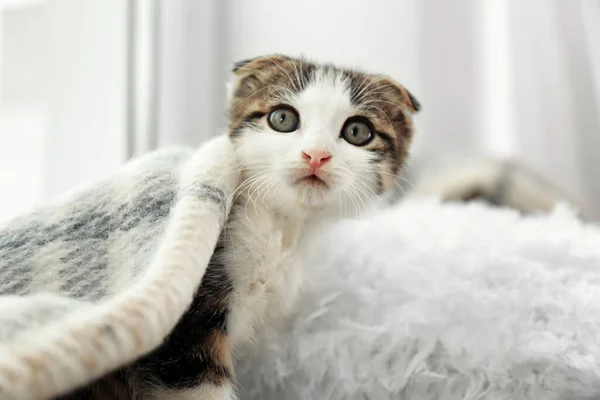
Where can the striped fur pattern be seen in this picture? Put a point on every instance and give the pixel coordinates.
(359, 127)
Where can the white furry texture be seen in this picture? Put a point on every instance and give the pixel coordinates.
(98, 278)
(429, 301)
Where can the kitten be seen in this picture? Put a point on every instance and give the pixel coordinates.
(313, 142)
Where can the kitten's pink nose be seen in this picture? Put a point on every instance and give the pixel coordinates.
(315, 157)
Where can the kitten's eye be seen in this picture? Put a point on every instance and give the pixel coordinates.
(284, 119)
(357, 132)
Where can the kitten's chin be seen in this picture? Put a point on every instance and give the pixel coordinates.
(308, 192)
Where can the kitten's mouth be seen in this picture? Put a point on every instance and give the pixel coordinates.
(313, 180)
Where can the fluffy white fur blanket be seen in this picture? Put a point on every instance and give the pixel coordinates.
(428, 301)
(101, 276)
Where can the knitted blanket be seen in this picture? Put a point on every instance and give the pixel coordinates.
(99, 277)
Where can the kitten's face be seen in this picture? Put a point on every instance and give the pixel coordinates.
(317, 136)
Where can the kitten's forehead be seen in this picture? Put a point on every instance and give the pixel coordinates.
(327, 94)
(317, 78)
(291, 75)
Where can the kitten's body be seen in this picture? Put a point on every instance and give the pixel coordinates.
(348, 137)
(262, 258)
(259, 254)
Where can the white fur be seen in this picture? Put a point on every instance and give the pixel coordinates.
(432, 301)
(264, 265)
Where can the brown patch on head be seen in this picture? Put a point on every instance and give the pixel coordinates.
(261, 83)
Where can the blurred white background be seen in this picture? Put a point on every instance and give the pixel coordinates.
(87, 84)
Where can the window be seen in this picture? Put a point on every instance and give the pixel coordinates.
(63, 96)
(22, 121)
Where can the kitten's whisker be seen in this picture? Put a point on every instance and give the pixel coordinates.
(263, 181)
(241, 167)
(274, 184)
(378, 88)
(266, 180)
(349, 196)
(268, 188)
(261, 187)
(241, 188)
(360, 96)
(233, 248)
(236, 193)
(369, 168)
(249, 197)
(361, 210)
(250, 181)
(391, 174)
(362, 85)
(396, 182)
(371, 79)
(406, 180)
(359, 197)
(359, 180)
(302, 81)
(400, 106)
(343, 202)
(355, 204)
(298, 82)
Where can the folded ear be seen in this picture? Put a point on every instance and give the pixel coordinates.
(252, 74)
(387, 89)
(241, 63)
(254, 64)
(413, 103)
(405, 97)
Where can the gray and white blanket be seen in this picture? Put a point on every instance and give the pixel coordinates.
(100, 276)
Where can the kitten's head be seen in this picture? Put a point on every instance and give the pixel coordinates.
(317, 136)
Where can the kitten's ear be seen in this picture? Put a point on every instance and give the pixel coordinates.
(240, 64)
(249, 65)
(406, 97)
(251, 74)
(414, 104)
